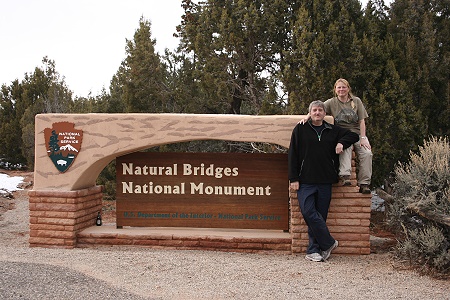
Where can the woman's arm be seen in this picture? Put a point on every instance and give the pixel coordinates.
(363, 138)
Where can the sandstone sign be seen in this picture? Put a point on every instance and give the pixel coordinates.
(209, 190)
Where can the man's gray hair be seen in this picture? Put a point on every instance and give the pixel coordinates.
(316, 103)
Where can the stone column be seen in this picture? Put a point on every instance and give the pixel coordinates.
(57, 216)
(348, 220)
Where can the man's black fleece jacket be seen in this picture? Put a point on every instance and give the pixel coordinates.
(312, 157)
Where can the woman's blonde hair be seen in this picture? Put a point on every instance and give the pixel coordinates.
(344, 81)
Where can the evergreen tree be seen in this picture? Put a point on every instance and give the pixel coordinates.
(376, 19)
(325, 47)
(185, 95)
(10, 129)
(441, 83)
(143, 87)
(424, 60)
(393, 125)
(113, 103)
(235, 47)
(42, 91)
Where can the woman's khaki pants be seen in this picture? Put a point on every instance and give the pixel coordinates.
(363, 160)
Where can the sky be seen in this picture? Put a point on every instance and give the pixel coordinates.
(85, 38)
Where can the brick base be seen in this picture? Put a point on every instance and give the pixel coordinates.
(57, 216)
(192, 240)
(348, 221)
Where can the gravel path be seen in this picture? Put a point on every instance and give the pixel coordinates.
(140, 273)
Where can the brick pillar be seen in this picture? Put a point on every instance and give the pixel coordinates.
(348, 220)
(57, 216)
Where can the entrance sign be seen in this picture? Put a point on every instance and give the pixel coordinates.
(208, 190)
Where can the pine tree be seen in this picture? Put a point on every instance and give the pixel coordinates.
(326, 46)
(423, 62)
(143, 74)
(394, 126)
(10, 130)
(42, 91)
(235, 47)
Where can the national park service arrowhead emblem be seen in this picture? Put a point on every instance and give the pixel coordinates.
(63, 143)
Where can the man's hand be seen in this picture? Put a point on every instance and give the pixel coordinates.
(294, 186)
(339, 148)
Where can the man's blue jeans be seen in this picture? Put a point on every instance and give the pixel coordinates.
(314, 201)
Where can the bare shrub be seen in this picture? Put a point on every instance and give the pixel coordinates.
(420, 210)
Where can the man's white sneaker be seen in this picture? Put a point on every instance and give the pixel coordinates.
(326, 254)
(314, 257)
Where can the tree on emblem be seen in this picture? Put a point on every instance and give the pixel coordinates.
(53, 142)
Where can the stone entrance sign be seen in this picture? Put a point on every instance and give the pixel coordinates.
(64, 205)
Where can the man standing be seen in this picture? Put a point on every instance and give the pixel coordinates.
(313, 168)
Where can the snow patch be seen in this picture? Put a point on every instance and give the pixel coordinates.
(10, 183)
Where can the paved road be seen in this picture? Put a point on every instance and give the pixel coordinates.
(39, 281)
